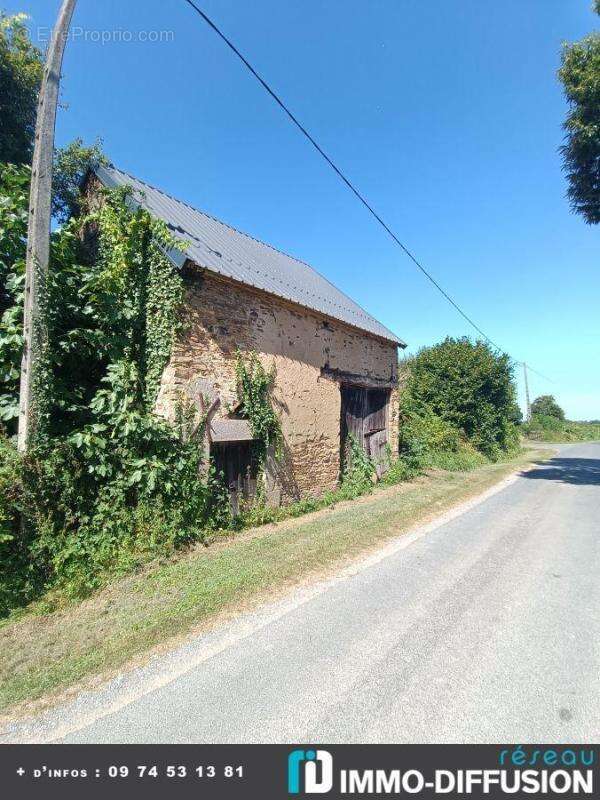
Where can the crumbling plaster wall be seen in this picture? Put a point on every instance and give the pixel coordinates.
(221, 316)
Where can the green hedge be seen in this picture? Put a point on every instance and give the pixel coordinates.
(456, 391)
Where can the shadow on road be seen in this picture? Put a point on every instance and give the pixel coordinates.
(578, 471)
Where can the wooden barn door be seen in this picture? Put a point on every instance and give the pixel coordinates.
(354, 411)
(364, 416)
(376, 438)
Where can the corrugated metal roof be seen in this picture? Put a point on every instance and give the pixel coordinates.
(228, 252)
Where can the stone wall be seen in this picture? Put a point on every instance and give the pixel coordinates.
(221, 316)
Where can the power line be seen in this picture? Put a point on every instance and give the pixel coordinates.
(341, 175)
(539, 374)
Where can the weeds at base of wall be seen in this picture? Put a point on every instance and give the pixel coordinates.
(359, 480)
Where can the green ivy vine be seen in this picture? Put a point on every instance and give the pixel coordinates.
(163, 322)
(109, 484)
(142, 291)
(254, 384)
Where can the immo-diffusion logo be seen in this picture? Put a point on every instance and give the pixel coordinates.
(315, 766)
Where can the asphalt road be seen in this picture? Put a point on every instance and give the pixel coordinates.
(486, 629)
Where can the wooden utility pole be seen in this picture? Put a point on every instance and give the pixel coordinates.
(38, 230)
(527, 403)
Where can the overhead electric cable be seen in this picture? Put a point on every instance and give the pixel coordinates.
(341, 175)
(539, 374)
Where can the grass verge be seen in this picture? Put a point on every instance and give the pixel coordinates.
(42, 654)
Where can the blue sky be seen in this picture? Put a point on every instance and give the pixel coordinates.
(447, 115)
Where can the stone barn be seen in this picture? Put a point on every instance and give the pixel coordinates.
(336, 367)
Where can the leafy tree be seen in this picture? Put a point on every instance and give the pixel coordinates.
(469, 387)
(546, 405)
(14, 200)
(80, 353)
(580, 76)
(21, 69)
(70, 166)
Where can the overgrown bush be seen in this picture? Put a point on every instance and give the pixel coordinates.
(427, 441)
(459, 390)
(14, 199)
(463, 459)
(65, 524)
(423, 432)
(17, 574)
(150, 500)
(106, 484)
(402, 469)
(546, 422)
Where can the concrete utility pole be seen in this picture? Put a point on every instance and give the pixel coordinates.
(527, 403)
(38, 231)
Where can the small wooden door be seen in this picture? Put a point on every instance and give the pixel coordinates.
(237, 466)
